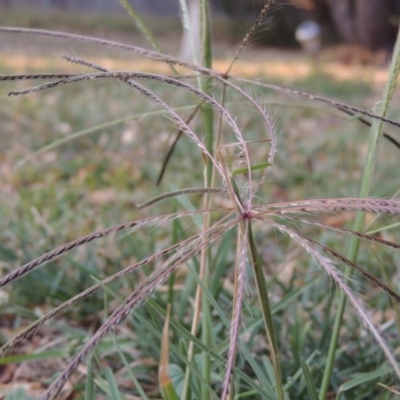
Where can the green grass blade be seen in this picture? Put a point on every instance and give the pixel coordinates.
(168, 391)
(252, 168)
(129, 370)
(312, 390)
(113, 392)
(261, 376)
(167, 388)
(33, 357)
(89, 386)
(364, 378)
(210, 297)
(299, 372)
(246, 395)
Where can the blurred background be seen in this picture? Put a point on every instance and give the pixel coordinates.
(370, 24)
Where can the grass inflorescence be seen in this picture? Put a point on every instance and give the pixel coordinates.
(211, 289)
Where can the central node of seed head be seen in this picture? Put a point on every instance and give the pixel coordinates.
(247, 214)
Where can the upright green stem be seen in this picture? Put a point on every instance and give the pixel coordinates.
(207, 111)
(204, 273)
(373, 145)
(266, 311)
(208, 126)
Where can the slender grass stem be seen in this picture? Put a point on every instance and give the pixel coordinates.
(266, 312)
(208, 127)
(201, 303)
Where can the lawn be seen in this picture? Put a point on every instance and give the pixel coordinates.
(79, 158)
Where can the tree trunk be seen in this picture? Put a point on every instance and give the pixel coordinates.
(364, 22)
(342, 13)
(372, 23)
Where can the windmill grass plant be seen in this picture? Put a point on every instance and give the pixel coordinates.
(200, 292)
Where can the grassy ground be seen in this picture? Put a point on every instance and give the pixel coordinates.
(51, 197)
